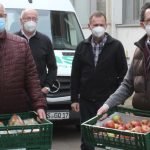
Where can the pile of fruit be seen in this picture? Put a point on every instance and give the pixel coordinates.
(116, 122)
(16, 120)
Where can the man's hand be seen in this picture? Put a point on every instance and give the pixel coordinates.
(103, 109)
(75, 107)
(45, 90)
(41, 114)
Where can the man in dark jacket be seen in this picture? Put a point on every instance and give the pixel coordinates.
(41, 48)
(18, 74)
(98, 68)
(137, 79)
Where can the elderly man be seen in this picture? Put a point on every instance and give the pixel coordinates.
(18, 75)
(41, 48)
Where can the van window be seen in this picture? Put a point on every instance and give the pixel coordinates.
(62, 27)
(66, 33)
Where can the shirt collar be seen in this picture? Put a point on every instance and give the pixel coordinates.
(28, 38)
(102, 42)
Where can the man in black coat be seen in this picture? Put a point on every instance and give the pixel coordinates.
(98, 68)
(41, 48)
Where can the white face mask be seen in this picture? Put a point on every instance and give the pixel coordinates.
(30, 26)
(98, 31)
(147, 28)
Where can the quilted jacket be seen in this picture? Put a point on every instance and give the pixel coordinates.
(18, 76)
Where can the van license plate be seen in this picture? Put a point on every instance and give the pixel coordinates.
(57, 115)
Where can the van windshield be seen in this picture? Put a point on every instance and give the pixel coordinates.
(61, 27)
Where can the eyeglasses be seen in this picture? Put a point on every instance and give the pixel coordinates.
(30, 19)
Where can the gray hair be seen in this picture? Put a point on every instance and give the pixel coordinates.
(97, 14)
(26, 10)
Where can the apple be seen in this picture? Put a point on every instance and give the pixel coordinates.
(128, 126)
(117, 119)
(117, 125)
(135, 123)
(144, 122)
(145, 128)
(137, 129)
(133, 130)
(111, 134)
(121, 136)
(109, 124)
(121, 128)
(127, 137)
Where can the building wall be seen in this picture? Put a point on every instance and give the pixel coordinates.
(123, 21)
(84, 8)
(128, 35)
(125, 28)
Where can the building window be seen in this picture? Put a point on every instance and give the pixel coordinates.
(101, 5)
(131, 11)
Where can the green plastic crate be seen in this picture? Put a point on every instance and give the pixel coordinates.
(104, 137)
(37, 137)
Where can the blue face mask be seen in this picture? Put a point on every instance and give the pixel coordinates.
(2, 24)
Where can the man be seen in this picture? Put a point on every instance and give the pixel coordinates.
(137, 79)
(41, 48)
(18, 75)
(98, 68)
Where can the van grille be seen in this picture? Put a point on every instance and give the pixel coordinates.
(64, 87)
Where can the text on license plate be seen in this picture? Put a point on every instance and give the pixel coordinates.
(57, 115)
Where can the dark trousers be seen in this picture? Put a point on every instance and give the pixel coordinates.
(88, 109)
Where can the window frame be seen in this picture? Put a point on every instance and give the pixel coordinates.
(133, 10)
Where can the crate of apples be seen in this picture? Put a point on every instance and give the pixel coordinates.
(116, 122)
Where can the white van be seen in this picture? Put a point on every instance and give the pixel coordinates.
(58, 20)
